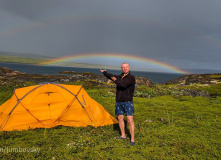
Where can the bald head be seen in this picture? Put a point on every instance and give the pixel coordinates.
(125, 68)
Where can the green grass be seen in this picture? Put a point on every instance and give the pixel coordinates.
(214, 89)
(166, 127)
(215, 76)
(26, 60)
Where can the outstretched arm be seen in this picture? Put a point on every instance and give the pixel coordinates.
(108, 75)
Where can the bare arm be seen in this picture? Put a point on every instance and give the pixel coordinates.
(102, 70)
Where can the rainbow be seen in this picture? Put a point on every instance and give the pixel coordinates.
(115, 55)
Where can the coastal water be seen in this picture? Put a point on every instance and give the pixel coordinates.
(155, 77)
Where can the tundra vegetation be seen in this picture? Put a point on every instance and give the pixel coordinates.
(169, 124)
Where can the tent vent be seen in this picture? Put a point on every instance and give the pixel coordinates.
(84, 101)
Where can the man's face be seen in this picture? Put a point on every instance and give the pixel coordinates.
(125, 68)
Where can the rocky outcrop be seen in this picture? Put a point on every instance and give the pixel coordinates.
(194, 92)
(144, 81)
(4, 71)
(91, 78)
(196, 79)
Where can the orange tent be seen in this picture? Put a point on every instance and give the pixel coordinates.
(50, 105)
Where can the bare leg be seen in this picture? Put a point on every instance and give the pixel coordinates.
(131, 125)
(121, 125)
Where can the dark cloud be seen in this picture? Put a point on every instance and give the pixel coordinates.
(30, 9)
(182, 33)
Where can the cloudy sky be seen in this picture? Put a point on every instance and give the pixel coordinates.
(185, 34)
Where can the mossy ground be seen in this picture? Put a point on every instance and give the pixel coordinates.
(166, 127)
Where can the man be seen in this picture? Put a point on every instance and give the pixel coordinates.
(124, 99)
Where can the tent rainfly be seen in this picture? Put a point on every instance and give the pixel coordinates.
(50, 105)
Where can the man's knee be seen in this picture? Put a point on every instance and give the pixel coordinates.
(120, 117)
(130, 119)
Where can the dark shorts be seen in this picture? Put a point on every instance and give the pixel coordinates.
(124, 108)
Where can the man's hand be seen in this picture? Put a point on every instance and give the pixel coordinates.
(114, 78)
(102, 70)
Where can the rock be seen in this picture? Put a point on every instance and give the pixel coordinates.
(144, 81)
(149, 120)
(161, 119)
(67, 72)
(92, 79)
(194, 92)
(4, 71)
(196, 78)
(89, 78)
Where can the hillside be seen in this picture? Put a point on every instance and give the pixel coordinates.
(39, 60)
(26, 55)
(201, 79)
(169, 123)
(208, 85)
(8, 75)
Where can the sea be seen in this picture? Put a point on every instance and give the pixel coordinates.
(156, 77)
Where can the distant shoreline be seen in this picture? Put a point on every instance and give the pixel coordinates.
(54, 70)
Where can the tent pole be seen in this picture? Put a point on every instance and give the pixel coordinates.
(19, 100)
(76, 98)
